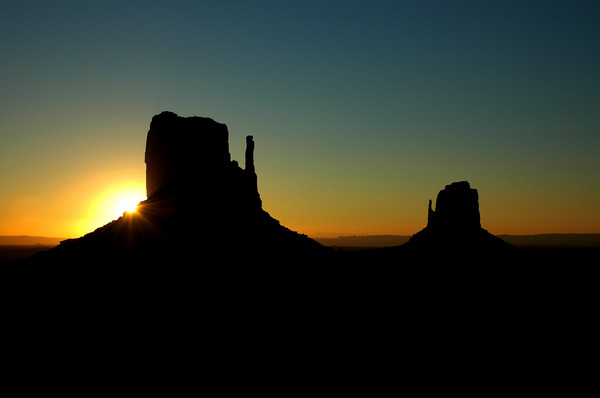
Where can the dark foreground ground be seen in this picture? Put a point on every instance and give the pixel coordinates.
(378, 317)
(525, 254)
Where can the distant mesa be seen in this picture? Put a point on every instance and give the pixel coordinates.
(455, 226)
(201, 206)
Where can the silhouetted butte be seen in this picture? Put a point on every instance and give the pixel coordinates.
(201, 206)
(454, 228)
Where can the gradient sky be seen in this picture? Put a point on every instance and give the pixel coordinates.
(361, 110)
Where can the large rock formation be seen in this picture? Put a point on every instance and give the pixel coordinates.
(201, 207)
(182, 153)
(188, 162)
(456, 208)
(455, 227)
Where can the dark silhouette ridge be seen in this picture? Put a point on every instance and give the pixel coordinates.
(454, 227)
(201, 207)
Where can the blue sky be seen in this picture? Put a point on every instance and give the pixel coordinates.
(361, 110)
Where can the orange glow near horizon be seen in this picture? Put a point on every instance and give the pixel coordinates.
(113, 202)
(77, 208)
(82, 205)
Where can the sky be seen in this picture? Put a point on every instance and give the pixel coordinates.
(361, 111)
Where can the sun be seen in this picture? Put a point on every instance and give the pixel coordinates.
(116, 201)
(128, 204)
(109, 197)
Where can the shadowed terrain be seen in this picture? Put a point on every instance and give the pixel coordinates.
(200, 257)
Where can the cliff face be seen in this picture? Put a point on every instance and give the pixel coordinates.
(180, 152)
(187, 159)
(200, 203)
(456, 208)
